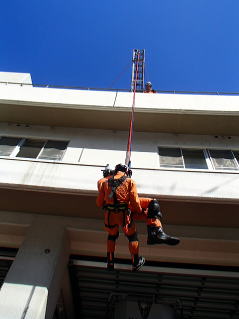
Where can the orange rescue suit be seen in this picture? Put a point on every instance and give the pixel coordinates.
(143, 215)
(127, 194)
(151, 91)
(136, 213)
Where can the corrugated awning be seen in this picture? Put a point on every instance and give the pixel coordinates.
(97, 291)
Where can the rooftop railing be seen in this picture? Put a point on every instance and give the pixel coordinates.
(117, 89)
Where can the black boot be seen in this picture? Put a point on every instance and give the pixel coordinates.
(154, 210)
(110, 261)
(156, 235)
(138, 262)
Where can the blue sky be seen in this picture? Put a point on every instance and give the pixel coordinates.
(190, 44)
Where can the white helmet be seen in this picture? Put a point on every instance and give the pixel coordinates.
(108, 170)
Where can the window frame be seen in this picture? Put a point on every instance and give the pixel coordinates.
(223, 169)
(235, 156)
(208, 159)
(183, 160)
(17, 148)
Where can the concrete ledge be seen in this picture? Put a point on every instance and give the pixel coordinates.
(175, 113)
(204, 245)
(82, 179)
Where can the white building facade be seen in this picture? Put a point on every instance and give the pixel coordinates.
(53, 145)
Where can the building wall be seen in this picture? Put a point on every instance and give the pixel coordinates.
(10, 79)
(89, 150)
(200, 209)
(98, 147)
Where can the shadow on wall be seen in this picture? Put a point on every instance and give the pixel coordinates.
(234, 179)
(115, 141)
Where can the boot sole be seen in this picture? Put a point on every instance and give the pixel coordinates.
(173, 242)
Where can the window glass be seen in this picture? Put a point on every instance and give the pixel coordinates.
(7, 145)
(194, 159)
(53, 150)
(30, 148)
(223, 159)
(170, 157)
(236, 154)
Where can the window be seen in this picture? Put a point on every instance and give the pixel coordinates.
(32, 148)
(194, 159)
(53, 150)
(8, 144)
(223, 159)
(236, 154)
(198, 158)
(170, 157)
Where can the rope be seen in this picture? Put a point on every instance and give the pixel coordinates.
(131, 123)
(119, 76)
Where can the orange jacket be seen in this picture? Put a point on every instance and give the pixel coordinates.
(151, 91)
(125, 193)
(101, 182)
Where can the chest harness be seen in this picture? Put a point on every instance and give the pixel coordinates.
(117, 207)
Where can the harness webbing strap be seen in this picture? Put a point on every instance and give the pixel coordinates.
(116, 207)
(131, 124)
(114, 184)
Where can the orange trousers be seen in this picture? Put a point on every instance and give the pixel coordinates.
(113, 220)
(144, 202)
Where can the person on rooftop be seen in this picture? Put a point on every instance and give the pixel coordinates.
(148, 88)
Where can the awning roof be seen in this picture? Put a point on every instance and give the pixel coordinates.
(96, 292)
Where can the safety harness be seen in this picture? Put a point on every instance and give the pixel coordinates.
(114, 184)
(117, 207)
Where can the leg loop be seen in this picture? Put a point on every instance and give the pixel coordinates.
(133, 237)
(113, 237)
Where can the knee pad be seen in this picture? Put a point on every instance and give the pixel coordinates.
(154, 209)
(113, 237)
(133, 237)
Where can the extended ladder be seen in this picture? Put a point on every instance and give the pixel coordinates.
(137, 85)
(137, 82)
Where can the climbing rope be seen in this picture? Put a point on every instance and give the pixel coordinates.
(131, 123)
(120, 75)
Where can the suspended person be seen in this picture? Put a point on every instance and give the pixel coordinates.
(150, 212)
(148, 88)
(116, 194)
